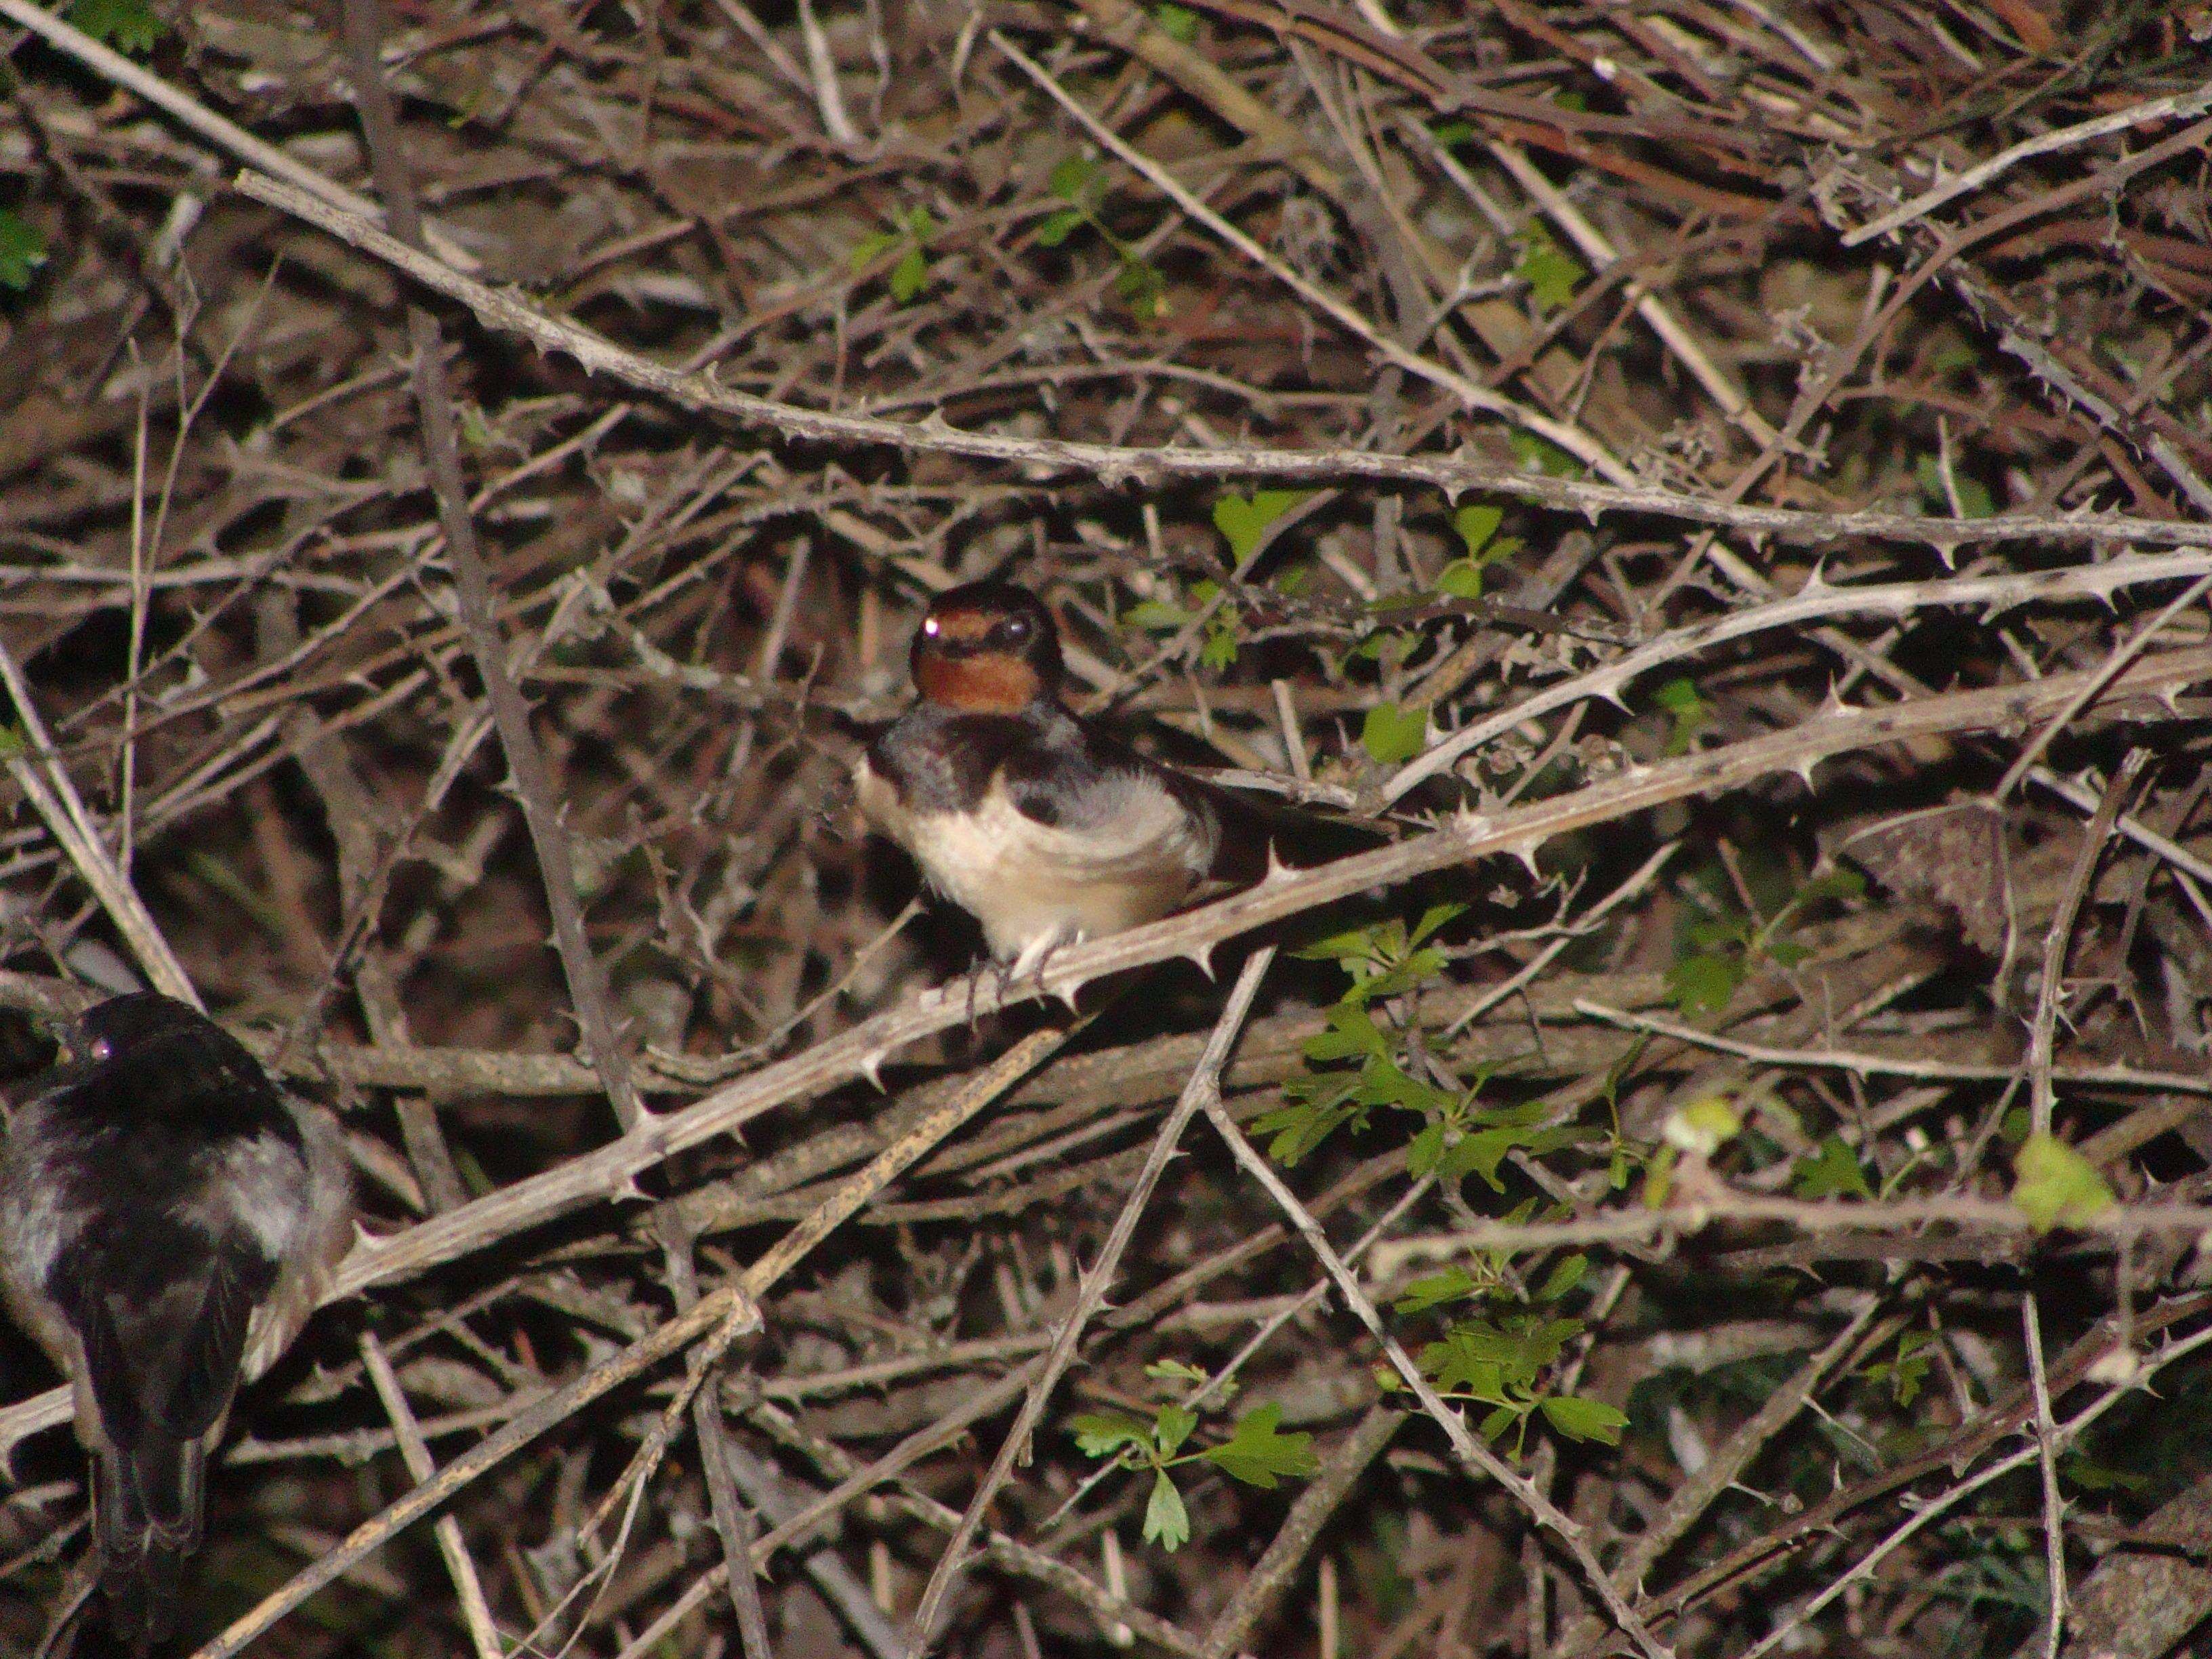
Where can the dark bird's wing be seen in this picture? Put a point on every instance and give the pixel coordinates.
(162, 1346)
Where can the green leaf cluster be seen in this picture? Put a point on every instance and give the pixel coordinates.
(1256, 1453)
(1721, 949)
(1476, 528)
(911, 274)
(1499, 1362)
(1080, 183)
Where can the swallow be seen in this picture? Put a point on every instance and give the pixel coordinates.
(1039, 825)
(168, 1219)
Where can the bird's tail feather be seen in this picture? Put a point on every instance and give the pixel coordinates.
(148, 1501)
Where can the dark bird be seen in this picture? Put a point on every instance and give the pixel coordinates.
(168, 1219)
(1030, 818)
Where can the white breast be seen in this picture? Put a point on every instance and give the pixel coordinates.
(1035, 885)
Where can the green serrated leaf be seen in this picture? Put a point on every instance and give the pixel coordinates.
(1101, 1434)
(1219, 651)
(1833, 1171)
(22, 250)
(1177, 23)
(1551, 274)
(1243, 519)
(1259, 1455)
(1175, 1370)
(1583, 1419)
(1433, 918)
(909, 275)
(2057, 1186)
(1392, 734)
(1171, 1426)
(1167, 1522)
(1434, 1290)
(1057, 227)
(1351, 1034)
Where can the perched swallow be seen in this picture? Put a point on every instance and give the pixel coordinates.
(167, 1222)
(1043, 829)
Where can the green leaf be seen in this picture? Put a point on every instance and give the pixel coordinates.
(1448, 133)
(1538, 454)
(1831, 1172)
(1244, 518)
(1462, 579)
(126, 25)
(909, 275)
(1101, 1434)
(1568, 1274)
(1171, 1426)
(1583, 1419)
(1704, 1126)
(1219, 650)
(1057, 227)
(1702, 984)
(22, 250)
(2057, 1186)
(1476, 525)
(1351, 1034)
(1392, 734)
(1175, 1371)
(1176, 22)
(1434, 1290)
(1155, 614)
(871, 244)
(1167, 1522)
(1071, 177)
(1551, 274)
(1141, 286)
(1433, 918)
(1258, 1454)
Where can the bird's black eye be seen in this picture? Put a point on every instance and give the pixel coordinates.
(100, 1051)
(1015, 627)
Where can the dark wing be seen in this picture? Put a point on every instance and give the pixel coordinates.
(162, 1346)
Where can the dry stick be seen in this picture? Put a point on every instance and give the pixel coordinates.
(2179, 105)
(1477, 1458)
(476, 1611)
(1716, 1204)
(720, 1316)
(506, 310)
(1271, 1574)
(610, 1170)
(113, 66)
(2046, 1449)
(473, 590)
(1875, 1065)
(2043, 1029)
(1203, 1089)
(1815, 601)
(38, 771)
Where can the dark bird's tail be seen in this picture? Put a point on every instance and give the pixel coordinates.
(146, 1499)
